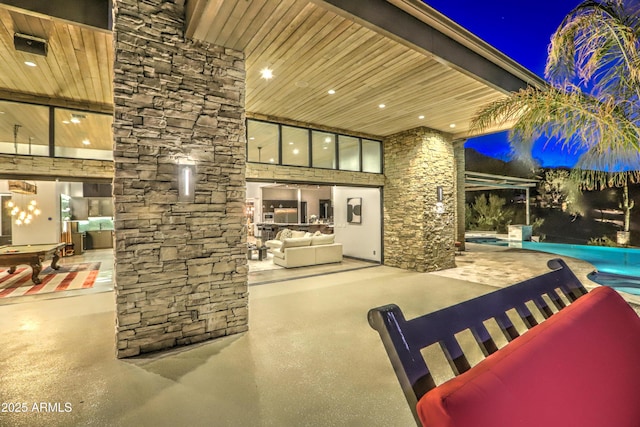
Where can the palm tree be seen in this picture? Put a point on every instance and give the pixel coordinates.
(592, 103)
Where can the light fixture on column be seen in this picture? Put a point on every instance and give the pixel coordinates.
(186, 182)
(24, 211)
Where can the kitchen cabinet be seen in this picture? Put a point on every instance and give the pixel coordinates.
(79, 208)
(100, 239)
(85, 207)
(100, 206)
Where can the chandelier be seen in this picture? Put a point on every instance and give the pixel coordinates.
(23, 211)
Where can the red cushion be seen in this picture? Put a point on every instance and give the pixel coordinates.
(581, 367)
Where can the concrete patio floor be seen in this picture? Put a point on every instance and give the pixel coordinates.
(308, 359)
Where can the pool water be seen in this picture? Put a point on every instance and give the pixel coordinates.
(616, 267)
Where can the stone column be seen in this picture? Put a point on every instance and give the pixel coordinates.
(180, 267)
(419, 234)
(458, 151)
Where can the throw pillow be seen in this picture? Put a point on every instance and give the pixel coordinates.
(324, 239)
(295, 242)
(286, 234)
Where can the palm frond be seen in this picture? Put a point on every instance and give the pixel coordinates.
(593, 104)
(578, 120)
(598, 44)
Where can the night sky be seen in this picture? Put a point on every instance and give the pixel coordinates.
(521, 30)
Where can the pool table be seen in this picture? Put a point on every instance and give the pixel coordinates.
(33, 255)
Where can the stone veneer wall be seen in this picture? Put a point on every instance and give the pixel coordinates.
(265, 172)
(55, 167)
(180, 268)
(416, 237)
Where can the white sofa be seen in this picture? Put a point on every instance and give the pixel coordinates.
(284, 234)
(305, 251)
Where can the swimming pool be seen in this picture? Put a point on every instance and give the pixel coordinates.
(616, 267)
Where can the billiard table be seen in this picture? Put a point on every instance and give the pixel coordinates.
(33, 255)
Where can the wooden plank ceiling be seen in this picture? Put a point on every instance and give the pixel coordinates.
(76, 73)
(312, 50)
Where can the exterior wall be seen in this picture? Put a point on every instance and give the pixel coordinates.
(265, 172)
(180, 268)
(34, 166)
(416, 236)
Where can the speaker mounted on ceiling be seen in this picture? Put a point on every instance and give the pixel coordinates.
(30, 44)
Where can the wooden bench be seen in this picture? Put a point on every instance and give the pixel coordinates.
(579, 367)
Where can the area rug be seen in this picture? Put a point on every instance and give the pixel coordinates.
(265, 265)
(68, 277)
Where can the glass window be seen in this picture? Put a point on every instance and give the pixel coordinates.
(24, 129)
(295, 146)
(371, 156)
(262, 146)
(83, 135)
(349, 153)
(324, 150)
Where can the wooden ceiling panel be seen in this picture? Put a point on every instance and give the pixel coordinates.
(312, 49)
(77, 70)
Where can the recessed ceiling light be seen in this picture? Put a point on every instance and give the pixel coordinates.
(251, 138)
(29, 63)
(86, 142)
(381, 106)
(331, 92)
(421, 117)
(290, 143)
(266, 73)
(66, 122)
(327, 140)
(452, 125)
(271, 160)
(75, 120)
(296, 151)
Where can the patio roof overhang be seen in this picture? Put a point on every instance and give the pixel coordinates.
(476, 181)
(426, 69)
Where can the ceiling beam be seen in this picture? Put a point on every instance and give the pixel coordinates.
(91, 13)
(30, 98)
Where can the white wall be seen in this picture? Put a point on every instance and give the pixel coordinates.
(313, 196)
(44, 228)
(362, 240)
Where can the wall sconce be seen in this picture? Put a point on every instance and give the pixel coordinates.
(186, 183)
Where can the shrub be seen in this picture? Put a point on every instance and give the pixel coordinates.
(490, 214)
(602, 241)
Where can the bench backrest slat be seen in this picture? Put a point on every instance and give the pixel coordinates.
(506, 326)
(557, 301)
(484, 339)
